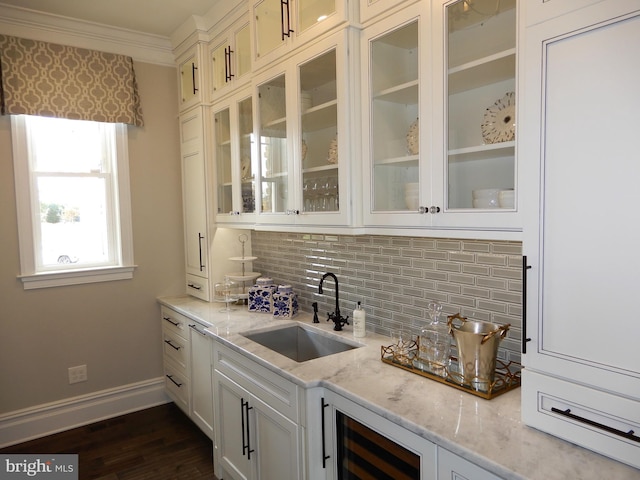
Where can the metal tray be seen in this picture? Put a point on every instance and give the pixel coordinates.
(507, 375)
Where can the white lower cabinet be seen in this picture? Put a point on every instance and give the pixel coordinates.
(453, 467)
(257, 434)
(187, 367)
(201, 382)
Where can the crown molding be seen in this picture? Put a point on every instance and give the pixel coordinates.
(27, 23)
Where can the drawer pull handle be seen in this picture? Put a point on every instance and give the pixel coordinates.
(196, 329)
(168, 319)
(567, 413)
(170, 377)
(168, 342)
(194, 286)
(325, 457)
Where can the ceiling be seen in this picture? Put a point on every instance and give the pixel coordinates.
(158, 17)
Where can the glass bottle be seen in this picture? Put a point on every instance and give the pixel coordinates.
(435, 343)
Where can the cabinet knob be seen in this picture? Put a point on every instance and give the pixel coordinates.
(434, 209)
(292, 212)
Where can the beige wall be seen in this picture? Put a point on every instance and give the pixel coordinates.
(111, 327)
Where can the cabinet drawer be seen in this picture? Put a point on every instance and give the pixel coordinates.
(176, 348)
(597, 420)
(174, 322)
(197, 287)
(176, 386)
(275, 391)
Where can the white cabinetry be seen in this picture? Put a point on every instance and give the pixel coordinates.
(282, 25)
(257, 433)
(190, 77)
(347, 440)
(187, 367)
(234, 150)
(432, 74)
(453, 467)
(200, 345)
(580, 121)
(230, 56)
(194, 196)
(303, 109)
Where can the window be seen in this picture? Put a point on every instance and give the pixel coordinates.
(72, 194)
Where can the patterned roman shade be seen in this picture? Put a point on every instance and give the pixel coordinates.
(46, 79)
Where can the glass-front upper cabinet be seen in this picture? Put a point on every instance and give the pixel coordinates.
(479, 92)
(302, 116)
(234, 148)
(230, 58)
(318, 98)
(397, 184)
(279, 25)
(275, 148)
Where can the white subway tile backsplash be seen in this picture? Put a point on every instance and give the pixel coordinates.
(395, 278)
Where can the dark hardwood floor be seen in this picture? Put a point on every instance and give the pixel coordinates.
(159, 443)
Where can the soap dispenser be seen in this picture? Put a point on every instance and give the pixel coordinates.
(359, 321)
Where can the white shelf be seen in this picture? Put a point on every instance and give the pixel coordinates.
(405, 93)
(407, 160)
(482, 152)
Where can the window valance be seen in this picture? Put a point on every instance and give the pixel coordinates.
(46, 79)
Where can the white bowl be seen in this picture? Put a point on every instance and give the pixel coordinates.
(411, 200)
(486, 193)
(485, 203)
(507, 199)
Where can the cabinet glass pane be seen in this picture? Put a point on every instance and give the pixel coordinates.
(188, 72)
(311, 12)
(319, 126)
(274, 165)
(246, 139)
(268, 26)
(480, 77)
(242, 52)
(219, 66)
(394, 119)
(223, 160)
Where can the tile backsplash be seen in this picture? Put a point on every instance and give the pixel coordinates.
(396, 277)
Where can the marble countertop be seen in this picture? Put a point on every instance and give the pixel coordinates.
(488, 433)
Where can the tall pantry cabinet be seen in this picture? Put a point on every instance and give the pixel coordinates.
(579, 108)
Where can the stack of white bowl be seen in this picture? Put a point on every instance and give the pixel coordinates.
(507, 198)
(486, 198)
(411, 195)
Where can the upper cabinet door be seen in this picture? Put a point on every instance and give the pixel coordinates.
(282, 25)
(275, 148)
(230, 58)
(478, 144)
(395, 107)
(234, 150)
(189, 78)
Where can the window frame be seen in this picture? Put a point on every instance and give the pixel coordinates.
(122, 233)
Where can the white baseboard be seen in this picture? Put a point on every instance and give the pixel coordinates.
(22, 425)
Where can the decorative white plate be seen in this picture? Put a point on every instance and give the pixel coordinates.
(413, 138)
(499, 122)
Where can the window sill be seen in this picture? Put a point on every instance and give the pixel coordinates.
(77, 277)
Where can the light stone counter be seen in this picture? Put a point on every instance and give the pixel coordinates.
(488, 433)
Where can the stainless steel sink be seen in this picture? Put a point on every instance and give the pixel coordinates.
(298, 343)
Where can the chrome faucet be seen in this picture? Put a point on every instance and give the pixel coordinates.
(335, 317)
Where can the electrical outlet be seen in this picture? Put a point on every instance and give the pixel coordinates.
(78, 374)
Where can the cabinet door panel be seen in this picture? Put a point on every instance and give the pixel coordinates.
(230, 437)
(590, 196)
(276, 444)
